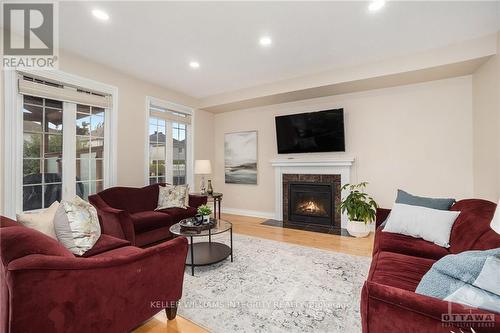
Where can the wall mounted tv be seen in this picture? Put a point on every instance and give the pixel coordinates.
(312, 132)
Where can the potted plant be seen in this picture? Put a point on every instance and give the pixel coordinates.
(205, 211)
(361, 209)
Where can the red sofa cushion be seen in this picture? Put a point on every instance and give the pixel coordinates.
(178, 214)
(6, 222)
(33, 242)
(124, 251)
(131, 199)
(392, 242)
(398, 270)
(105, 243)
(472, 230)
(149, 220)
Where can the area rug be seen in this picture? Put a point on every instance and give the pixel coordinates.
(276, 287)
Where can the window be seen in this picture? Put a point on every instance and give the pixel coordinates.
(169, 146)
(179, 156)
(42, 152)
(58, 141)
(89, 150)
(157, 150)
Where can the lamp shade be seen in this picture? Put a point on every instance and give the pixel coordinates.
(202, 167)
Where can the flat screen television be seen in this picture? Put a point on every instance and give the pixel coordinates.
(312, 132)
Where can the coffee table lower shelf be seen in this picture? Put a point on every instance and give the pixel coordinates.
(208, 253)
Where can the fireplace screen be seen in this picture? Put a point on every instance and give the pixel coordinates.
(310, 202)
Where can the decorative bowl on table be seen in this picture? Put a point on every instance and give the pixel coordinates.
(196, 225)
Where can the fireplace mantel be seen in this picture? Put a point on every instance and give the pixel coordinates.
(312, 162)
(327, 166)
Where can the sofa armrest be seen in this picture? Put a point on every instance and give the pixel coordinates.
(411, 312)
(197, 200)
(114, 222)
(99, 294)
(113, 259)
(382, 214)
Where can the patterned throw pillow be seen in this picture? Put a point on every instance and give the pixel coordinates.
(42, 221)
(76, 225)
(171, 196)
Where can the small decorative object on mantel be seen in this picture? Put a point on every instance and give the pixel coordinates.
(361, 209)
(210, 189)
(205, 211)
(196, 225)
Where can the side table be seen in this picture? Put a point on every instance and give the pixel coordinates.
(216, 198)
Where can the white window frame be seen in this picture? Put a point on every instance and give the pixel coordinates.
(189, 137)
(13, 134)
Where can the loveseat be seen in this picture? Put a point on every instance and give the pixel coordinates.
(129, 213)
(114, 287)
(388, 300)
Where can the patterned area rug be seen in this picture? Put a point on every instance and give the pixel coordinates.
(276, 287)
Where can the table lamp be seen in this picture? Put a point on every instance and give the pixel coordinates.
(202, 167)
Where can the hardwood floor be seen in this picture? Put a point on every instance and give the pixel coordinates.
(251, 226)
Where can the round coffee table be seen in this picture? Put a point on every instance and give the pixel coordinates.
(206, 253)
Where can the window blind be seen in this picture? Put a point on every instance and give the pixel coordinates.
(61, 93)
(166, 114)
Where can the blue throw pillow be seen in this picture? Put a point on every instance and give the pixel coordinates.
(413, 200)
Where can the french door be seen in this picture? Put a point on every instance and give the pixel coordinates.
(61, 143)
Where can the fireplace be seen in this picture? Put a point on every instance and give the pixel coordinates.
(315, 170)
(311, 200)
(311, 203)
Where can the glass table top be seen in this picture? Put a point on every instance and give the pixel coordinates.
(220, 227)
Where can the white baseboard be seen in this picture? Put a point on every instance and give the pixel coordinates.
(246, 212)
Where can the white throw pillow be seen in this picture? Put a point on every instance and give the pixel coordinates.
(433, 225)
(77, 225)
(42, 221)
(495, 223)
(172, 196)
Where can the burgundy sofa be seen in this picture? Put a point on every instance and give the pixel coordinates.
(388, 300)
(129, 213)
(114, 288)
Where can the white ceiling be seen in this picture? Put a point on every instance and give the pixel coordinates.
(156, 40)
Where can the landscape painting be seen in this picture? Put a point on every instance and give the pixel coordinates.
(240, 157)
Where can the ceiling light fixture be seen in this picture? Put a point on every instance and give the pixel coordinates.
(100, 14)
(194, 64)
(265, 41)
(376, 5)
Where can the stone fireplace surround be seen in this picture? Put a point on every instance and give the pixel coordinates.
(313, 179)
(310, 169)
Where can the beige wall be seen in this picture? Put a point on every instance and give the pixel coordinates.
(416, 137)
(486, 105)
(132, 115)
(203, 140)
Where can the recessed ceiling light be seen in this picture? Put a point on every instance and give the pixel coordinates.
(376, 5)
(100, 14)
(194, 64)
(265, 41)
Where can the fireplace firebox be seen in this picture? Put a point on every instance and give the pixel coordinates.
(311, 203)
